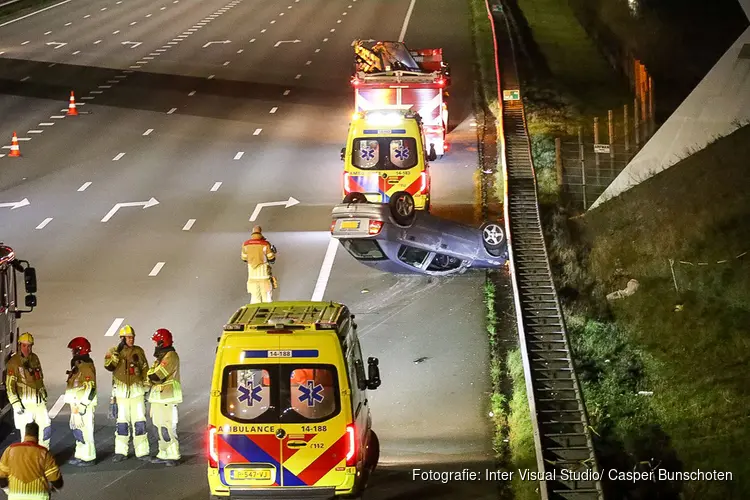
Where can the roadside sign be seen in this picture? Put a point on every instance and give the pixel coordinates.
(601, 148)
(511, 95)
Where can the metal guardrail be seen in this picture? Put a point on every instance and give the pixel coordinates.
(565, 451)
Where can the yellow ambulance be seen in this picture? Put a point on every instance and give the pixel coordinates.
(288, 412)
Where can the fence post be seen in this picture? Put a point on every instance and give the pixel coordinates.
(637, 133)
(581, 154)
(596, 155)
(651, 122)
(625, 127)
(559, 162)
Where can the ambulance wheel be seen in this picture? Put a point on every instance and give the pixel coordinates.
(402, 207)
(373, 453)
(355, 197)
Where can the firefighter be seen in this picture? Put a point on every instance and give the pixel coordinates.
(27, 469)
(165, 395)
(81, 396)
(26, 392)
(259, 255)
(128, 365)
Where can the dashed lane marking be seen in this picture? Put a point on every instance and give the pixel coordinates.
(114, 326)
(171, 111)
(239, 155)
(96, 92)
(263, 30)
(211, 77)
(226, 63)
(46, 124)
(192, 93)
(148, 132)
(84, 186)
(57, 117)
(57, 407)
(47, 32)
(298, 77)
(44, 223)
(273, 110)
(133, 23)
(333, 29)
(115, 32)
(97, 42)
(251, 40)
(35, 131)
(76, 52)
(257, 131)
(216, 186)
(68, 24)
(156, 268)
(87, 16)
(25, 78)
(287, 91)
(119, 155)
(325, 39)
(24, 43)
(308, 63)
(317, 50)
(188, 225)
(338, 21)
(105, 86)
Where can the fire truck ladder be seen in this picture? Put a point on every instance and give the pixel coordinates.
(559, 418)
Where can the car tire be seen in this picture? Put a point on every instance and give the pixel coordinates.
(493, 238)
(373, 452)
(402, 207)
(355, 197)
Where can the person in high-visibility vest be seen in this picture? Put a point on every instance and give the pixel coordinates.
(80, 394)
(259, 255)
(24, 383)
(165, 395)
(129, 366)
(27, 470)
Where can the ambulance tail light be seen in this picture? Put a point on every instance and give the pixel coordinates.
(423, 183)
(375, 227)
(351, 445)
(347, 190)
(213, 448)
(441, 82)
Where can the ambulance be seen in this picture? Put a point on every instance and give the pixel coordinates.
(385, 154)
(288, 411)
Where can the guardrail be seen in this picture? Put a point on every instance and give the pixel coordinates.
(564, 449)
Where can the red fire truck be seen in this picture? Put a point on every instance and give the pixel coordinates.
(389, 75)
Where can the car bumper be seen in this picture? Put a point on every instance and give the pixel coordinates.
(221, 490)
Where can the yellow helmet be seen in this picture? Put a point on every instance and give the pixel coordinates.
(127, 331)
(26, 338)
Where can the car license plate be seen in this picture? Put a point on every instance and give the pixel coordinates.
(350, 224)
(250, 474)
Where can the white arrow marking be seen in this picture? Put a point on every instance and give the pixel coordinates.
(132, 44)
(59, 44)
(286, 41)
(114, 326)
(188, 225)
(118, 206)
(222, 41)
(16, 204)
(288, 203)
(44, 223)
(156, 268)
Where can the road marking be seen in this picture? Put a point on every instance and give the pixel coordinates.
(338, 21)
(192, 93)
(156, 269)
(273, 22)
(281, 13)
(160, 50)
(57, 407)
(240, 51)
(46, 124)
(273, 110)
(122, 76)
(84, 186)
(96, 92)
(133, 23)
(287, 91)
(141, 62)
(25, 78)
(308, 63)
(103, 9)
(257, 131)
(188, 225)
(135, 66)
(87, 16)
(163, 8)
(76, 52)
(24, 43)
(325, 39)
(149, 15)
(148, 58)
(44, 223)
(47, 32)
(406, 21)
(105, 86)
(119, 155)
(211, 77)
(216, 185)
(333, 29)
(226, 63)
(171, 111)
(263, 30)
(115, 32)
(239, 155)
(68, 24)
(317, 50)
(33, 13)
(298, 77)
(23, 139)
(344, 13)
(114, 326)
(148, 132)
(35, 131)
(57, 116)
(325, 270)
(97, 42)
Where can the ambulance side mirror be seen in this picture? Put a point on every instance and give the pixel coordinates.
(373, 374)
(30, 300)
(29, 279)
(343, 153)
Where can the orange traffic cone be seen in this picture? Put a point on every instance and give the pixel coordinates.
(72, 111)
(14, 150)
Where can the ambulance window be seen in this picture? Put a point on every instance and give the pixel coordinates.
(366, 153)
(246, 394)
(403, 152)
(312, 395)
(411, 255)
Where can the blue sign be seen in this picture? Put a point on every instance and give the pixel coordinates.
(311, 394)
(250, 394)
(367, 153)
(402, 153)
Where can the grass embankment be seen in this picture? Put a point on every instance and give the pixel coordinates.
(689, 347)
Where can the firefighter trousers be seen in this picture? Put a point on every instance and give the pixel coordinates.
(260, 290)
(35, 412)
(164, 418)
(83, 432)
(131, 420)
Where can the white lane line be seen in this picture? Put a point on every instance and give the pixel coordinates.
(325, 270)
(240, 51)
(239, 155)
(148, 132)
(24, 43)
(188, 225)
(121, 76)
(133, 23)
(257, 131)
(44, 223)
(287, 91)
(154, 54)
(57, 407)
(97, 42)
(251, 40)
(76, 52)
(25, 78)
(192, 93)
(317, 50)
(171, 111)
(23, 139)
(149, 15)
(96, 92)
(119, 155)
(338, 21)
(226, 63)
(406, 21)
(84, 186)
(273, 22)
(308, 63)
(105, 86)
(263, 30)
(325, 39)
(35, 131)
(103, 9)
(68, 24)
(163, 8)
(46, 124)
(47, 32)
(87, 16)
(172, 43)
(216, 186)
(134, 66)
(57, 116)
(273, 110)
(156, 268)
(148, 58)
(114, 327)
(211, 77)
(333, 29)
(141, 62)
(124, 71)
(115, 32)
(298, 77)
(33, 13)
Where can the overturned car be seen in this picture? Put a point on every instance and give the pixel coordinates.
(395, 237)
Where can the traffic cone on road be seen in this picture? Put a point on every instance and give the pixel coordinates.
(72, 111)
(14, 150)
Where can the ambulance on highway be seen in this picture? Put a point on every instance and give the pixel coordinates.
(288, 410)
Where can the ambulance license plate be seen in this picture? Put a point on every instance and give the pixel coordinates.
(250, 474)
(350, 224)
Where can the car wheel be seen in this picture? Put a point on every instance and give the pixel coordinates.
(373, 452)
(493, 238)
(402, 208)
(355, 197)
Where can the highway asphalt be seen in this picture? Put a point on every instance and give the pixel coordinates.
(209, 130)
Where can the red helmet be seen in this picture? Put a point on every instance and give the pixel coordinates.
(80, 346)
(162, 337)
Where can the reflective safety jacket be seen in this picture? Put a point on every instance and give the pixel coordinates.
(258, 254)
(24, 381)
(129, 368)
(164, 377)
(28, 467)
(81, 387)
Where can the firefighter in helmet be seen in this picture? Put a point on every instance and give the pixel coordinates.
(165, 395)
(259, 255)
(80, 394)
(129, 366)
(24, 384)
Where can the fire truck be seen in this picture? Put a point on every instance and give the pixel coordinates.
(10, 269)
(388, 74)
